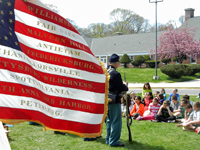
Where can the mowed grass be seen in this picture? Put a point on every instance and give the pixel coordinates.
(146, 135)
(142, 75)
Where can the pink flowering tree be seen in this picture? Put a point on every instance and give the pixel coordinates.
(178, 44)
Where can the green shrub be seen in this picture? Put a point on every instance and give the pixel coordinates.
(165, 61)
(195, 68)
(138, 61)
(125, 59)
(146, 57)
(151, 63)
(176, 70)
(135, 63)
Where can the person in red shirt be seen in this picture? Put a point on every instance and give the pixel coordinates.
(138, 108)
(147, 100)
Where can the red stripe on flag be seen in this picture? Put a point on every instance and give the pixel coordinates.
(43, 13)
(61, 60)
(66, 103)
(30, 115)
(52, 79)
(49, 37)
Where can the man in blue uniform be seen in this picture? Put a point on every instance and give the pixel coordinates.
(114, 116)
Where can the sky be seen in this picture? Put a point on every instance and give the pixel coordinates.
(85, 12)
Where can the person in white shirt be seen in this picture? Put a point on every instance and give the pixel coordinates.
(194, 121)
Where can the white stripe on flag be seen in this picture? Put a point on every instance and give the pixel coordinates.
(53, 112)
(55, 48)
(47, 26)
(8, 76)
(7, 52)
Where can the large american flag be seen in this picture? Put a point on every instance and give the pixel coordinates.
(48, 74)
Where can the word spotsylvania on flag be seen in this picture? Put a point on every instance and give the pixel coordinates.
(48, 74)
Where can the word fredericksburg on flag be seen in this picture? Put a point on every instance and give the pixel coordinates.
(48, 74)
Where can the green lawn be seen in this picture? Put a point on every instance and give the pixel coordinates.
(145, 135)
(142, 75)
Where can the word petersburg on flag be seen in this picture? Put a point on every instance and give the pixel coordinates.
(48, 74)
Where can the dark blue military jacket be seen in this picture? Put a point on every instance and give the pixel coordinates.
(115, 82)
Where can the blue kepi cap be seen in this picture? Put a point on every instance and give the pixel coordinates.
(114, 58)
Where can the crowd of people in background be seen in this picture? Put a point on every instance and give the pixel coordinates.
(158, 108)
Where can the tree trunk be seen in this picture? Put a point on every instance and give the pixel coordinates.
(125, 65)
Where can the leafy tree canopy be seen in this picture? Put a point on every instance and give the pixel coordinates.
(178, 44)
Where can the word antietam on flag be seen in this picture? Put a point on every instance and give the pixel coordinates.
(48, 74)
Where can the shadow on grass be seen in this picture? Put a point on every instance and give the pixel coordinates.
(182, 79)
(134, 145)
(36, 126)
(142, 146)
(72, 135)
(10, 139)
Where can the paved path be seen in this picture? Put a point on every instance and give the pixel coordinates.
(193, 84)
(188, 87)
(169, 91)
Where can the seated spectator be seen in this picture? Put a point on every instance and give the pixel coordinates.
(180, 114)
(130, 103)
(174, 92)
(156, 94)
(160, 98)
(138, 108)
(187, 97)
(194, 120)
(133, 98)
(151, 112)
(162, 91)
(188, 113)
(175, 104)
(124, 105)
(146, 88)
(147, 100)
(165, 113)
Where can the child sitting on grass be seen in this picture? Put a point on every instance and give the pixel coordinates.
(162, 91)
(147, 100)
(194, 121)
(174, 92)
(151, 112)
(133, 97)
(188, 114)
(175, 104)
(123, 105)
(165, 113)
(146, 88)
(138, 108)
(188, 111)
(180, 114)
(187, 97)
(161, 98)
(156, 94)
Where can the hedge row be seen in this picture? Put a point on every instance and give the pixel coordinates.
(179, 70)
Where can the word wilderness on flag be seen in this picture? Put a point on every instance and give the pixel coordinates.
(48, 74)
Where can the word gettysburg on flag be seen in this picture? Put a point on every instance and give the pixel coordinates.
(48, 74)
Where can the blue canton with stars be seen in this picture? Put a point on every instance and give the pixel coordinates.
(7, 24)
